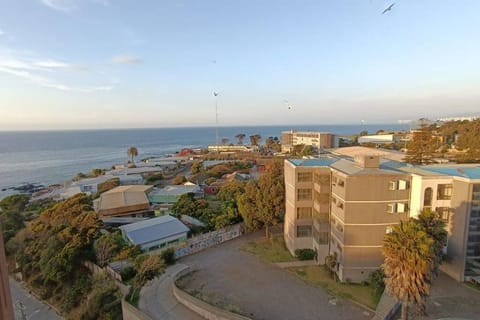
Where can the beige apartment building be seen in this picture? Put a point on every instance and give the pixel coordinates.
(319, 140)
(345, 206)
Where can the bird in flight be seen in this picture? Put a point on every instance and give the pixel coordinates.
(389, 8)
(215, 94)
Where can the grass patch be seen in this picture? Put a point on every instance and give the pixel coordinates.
(318, 276)
(271, 250)
(134, 297)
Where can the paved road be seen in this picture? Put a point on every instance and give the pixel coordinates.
(451, 299)
(34, 309)
(157, 300)
(262, 290)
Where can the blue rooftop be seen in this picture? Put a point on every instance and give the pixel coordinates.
(153, 229)
(470, 172)
(325, 162)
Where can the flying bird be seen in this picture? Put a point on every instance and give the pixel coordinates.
(288, 105)
(389, 8)
(215, 93)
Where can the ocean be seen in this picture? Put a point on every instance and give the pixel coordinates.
(48, 157)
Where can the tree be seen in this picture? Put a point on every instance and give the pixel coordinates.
(409, 254)
(421, 146)
(225, 141)
(247, 206)
(196, 167)
(363, 133)
(108, 246)
(179, 179)
(307, 150)
(240, 138)
(273, 143)
(431, 223)
(132, 152)
(230, 190)
(255, 139)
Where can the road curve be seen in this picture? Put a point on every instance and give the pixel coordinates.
(157, 300)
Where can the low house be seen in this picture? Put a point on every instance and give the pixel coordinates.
(171, 194)
(155, 233)
(90, 185)
(124, 201)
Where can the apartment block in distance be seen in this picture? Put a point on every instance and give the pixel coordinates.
(319, 140)
(344, 207)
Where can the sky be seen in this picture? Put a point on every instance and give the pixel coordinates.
(79, 64)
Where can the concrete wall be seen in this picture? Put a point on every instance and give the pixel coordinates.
(129, 312)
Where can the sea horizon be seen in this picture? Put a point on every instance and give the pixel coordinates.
(55, 156)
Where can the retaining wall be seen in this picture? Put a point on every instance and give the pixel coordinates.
(129, 312)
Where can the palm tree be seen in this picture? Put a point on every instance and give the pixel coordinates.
(434, 226)
(255, 139)
(225, 141)
(408, 252)
(132, 152)
(240, 138)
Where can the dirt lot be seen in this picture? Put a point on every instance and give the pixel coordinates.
(244, 283)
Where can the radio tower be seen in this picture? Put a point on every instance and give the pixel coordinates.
(215, 94)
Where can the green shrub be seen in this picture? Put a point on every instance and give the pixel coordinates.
(168, 256)
(128, 273)
(376, 280)
(305, 254)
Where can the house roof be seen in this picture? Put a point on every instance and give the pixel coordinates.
(463, 171)
(124, 199)
(325, 162)
(153, 229)
(361, 151)
(174, 190)
(352, 168)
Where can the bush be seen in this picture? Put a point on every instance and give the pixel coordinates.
(376, 279)
(128, 273)
(305, 254)
(168, 256)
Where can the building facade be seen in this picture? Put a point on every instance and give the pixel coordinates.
(318, 140)
(343, 207)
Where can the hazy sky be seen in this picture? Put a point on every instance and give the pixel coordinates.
(119, 63)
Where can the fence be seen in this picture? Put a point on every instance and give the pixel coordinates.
(206, 240)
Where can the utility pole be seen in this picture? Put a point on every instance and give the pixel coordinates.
(6, 306)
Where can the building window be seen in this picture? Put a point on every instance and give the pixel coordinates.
(304, 213)
(392, 185)
(304, 194)
(444, 213)
(321, 216)
(341, 183)
(444, 192)
(403, 185)
(304, 177)
(427, 197)
(391, 207)
(304, 231)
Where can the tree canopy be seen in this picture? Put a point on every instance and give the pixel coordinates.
(132, 152)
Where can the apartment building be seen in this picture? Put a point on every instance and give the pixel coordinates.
(319, 140)
(345, 206)
(454, 192)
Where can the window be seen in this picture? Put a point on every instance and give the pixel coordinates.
(304, 231)
(391, 207)
(321, 216)
(444, 192)
(392, 185)
(402, 207)
(341, 183)
(340, 204)
(427, 197)
(304, 177)
(403, 185)
(304, 194)
(304, 213)
(444, 213)
(388, 230)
